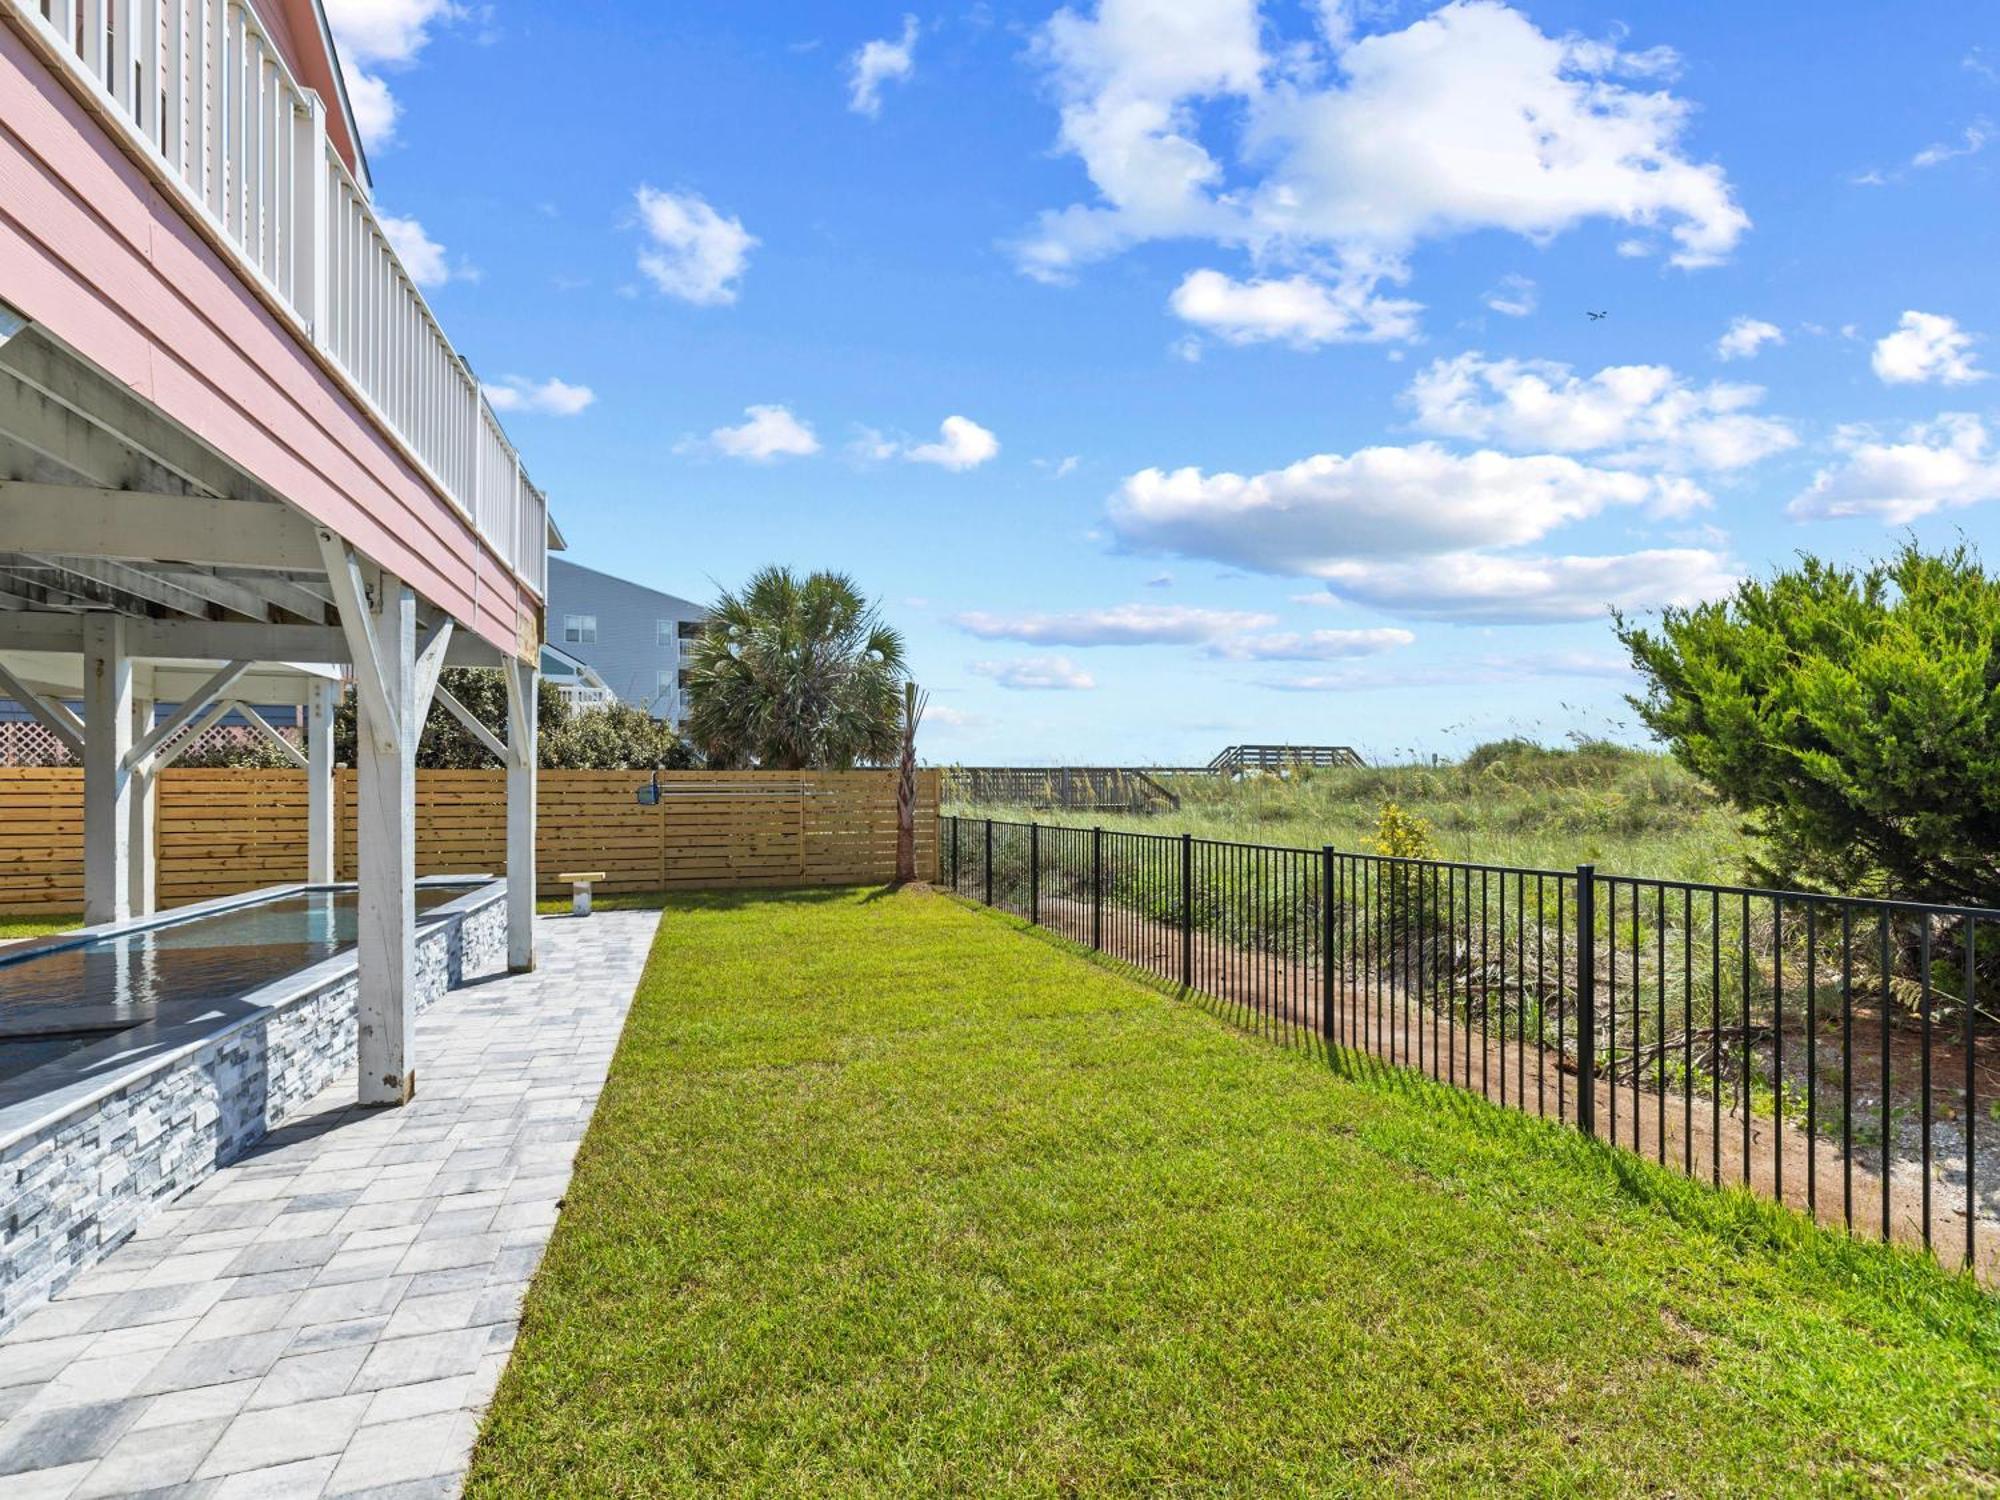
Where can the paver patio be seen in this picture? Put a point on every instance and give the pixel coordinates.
(329, 1315)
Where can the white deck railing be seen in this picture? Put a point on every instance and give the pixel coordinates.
(583, 697)
(204, 96)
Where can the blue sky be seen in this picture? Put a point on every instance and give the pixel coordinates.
(1184, 372)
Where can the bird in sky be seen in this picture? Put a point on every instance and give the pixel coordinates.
(1598, 317)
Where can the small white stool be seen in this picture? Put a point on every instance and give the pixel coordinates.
(579, 890)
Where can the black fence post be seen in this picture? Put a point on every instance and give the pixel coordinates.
(989, 861)
(1586, 999)
(1187, 911)
(1034, 874)
(954, 854)
(1326, 964)
(1097, 887)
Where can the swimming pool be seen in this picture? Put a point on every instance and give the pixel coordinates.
(218, 1023)
(61, 994)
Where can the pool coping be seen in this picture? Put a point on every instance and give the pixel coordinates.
(39, 1099)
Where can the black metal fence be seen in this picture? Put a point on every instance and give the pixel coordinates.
(1832, 1053)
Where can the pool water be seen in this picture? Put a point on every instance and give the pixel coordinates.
(54, 1001)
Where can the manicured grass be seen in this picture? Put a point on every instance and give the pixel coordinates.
(14, 928)
(887, 1195)
(556, 906)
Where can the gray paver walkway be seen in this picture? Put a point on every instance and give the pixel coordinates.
(329, 1315)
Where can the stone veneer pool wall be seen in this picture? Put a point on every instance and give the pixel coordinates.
(105, 1135)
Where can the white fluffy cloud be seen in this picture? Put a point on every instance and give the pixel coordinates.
(1477, 587)
(551, 397)
(962, 444)
(1037, 674)
(1297, 309)
(1946, 464)
(1312, 516)
(766, 433)
(1633, 414)
(1311, 645)
(423, 257)
(1514, 297)
(693, 252)
(1119, 625)
(1745, 336)
(1353, 149)
(375, 34)
(375, 108)
(1427, 533)
(879, 62)
(1927, 347)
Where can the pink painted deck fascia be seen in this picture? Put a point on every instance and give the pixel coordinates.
(96, 253)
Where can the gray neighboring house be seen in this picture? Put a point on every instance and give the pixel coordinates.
(628, 635)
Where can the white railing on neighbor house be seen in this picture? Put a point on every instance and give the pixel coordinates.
(582, 697)
(201, 94)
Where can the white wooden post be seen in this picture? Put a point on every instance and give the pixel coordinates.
(522, 685)
(386, 801)
(107, 784)
(313, 183)
(320, 709)
(145, 799)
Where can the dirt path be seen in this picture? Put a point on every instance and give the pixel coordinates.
(1280, 999)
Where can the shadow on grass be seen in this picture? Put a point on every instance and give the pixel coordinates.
(738, 898)
(1948, 1301)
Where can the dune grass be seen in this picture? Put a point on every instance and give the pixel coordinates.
(1630, 811)
(888, 1196)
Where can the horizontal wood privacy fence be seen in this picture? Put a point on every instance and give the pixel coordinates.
(218, 832)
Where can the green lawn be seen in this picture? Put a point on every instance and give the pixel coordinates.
(887, 1195)
(13, 928)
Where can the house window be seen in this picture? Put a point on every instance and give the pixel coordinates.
(664, 682)
(579, 630)
(663, 633)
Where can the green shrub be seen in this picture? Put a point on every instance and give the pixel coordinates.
(1400, 836)
(1853, 716)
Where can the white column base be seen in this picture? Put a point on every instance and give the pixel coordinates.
(386, 803)
(107, 780)
(140, 853)
(522, 685)
(320, 711)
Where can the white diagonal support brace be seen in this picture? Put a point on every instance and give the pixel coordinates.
(263, 726)
(168, 754)
(194, 704)
(465, 716)
(350, 596)
(430, 662)
(522, 686)
(52, 715)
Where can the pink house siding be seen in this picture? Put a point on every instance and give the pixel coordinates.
(99, 256)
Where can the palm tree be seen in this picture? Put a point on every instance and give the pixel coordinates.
(796, 674)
